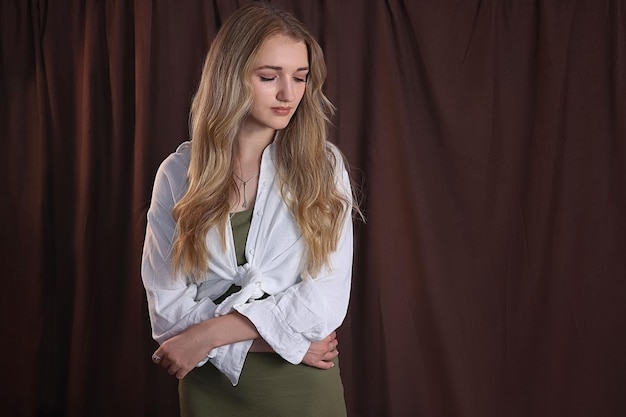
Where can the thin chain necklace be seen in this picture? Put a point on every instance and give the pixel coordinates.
(245, 198)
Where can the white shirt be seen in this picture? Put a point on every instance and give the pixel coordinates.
(297, 310)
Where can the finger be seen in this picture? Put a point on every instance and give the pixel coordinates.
(330, 337)
(156, 357)
(165, 362)
(322, 364)
(319, 363)
(331, 355)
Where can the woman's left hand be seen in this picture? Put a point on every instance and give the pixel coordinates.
(180, 354)
(321, 354)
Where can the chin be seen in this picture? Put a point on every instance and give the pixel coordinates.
(280, 125)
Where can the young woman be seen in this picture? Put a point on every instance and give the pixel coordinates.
(248, 252)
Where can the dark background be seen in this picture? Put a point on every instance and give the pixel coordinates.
(489, 137)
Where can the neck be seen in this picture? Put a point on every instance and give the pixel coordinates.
(252, 142)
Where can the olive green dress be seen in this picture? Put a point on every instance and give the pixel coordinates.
(268, 386)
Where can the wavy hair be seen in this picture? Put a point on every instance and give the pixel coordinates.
(305, 164)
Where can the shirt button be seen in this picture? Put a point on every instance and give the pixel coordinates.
(251, 251)
(259, 213)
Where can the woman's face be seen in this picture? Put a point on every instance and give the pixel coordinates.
(278, 82)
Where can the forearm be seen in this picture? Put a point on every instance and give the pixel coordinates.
(184, 351)
(226, 329)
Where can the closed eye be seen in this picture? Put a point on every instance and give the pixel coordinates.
(267, 79)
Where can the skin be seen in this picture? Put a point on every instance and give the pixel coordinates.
(278, 82)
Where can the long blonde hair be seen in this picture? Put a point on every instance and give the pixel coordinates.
(305, 164)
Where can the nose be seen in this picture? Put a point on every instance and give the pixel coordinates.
(286, 91)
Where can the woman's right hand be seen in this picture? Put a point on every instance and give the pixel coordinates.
(321, 354)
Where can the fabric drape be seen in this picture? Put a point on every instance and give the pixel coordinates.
(488, 138)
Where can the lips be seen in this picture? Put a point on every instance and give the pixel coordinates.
(281, 111)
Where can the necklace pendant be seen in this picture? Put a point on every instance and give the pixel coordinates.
(245, 183)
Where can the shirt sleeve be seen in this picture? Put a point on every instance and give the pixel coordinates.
(311, 309)
(174, 304)
(171, 302)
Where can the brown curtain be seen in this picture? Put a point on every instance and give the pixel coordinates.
(489, 138)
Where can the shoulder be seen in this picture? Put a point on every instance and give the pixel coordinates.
(171, 176)
(334, 149)
(340, 169)
(337, 159)
(178, 160)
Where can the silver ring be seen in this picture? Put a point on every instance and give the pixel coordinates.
(156, 358)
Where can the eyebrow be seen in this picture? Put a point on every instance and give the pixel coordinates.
(276, 68)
